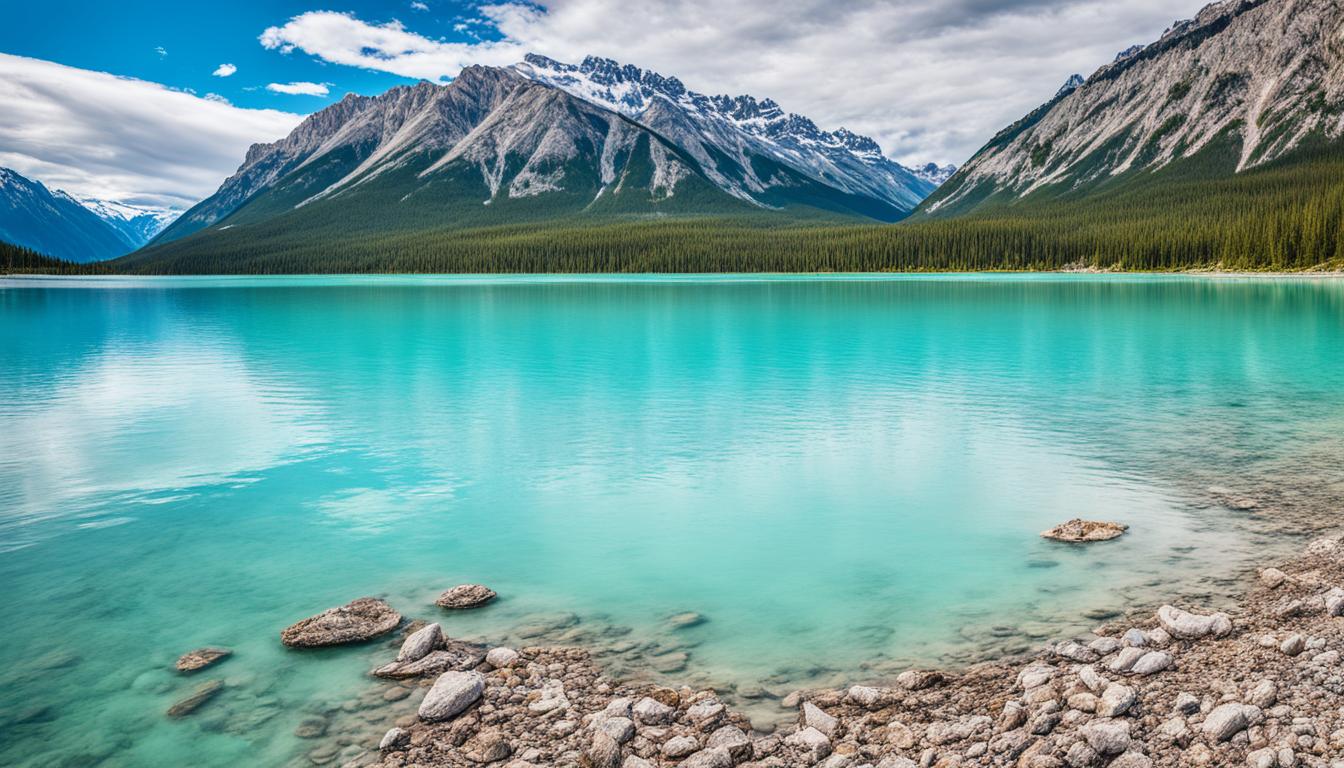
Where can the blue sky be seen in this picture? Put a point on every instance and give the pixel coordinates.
(125, 37)
(121, 101)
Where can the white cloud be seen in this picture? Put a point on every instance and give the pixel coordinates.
(418, 6)
(161, 51)
(100, 136)
(299, 89)
(215, 97)
(224, 70)
(341, 38)
(929, 79)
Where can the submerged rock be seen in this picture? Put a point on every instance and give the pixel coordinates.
(357, 621)
(686, 620)
(465, 596)
(1079, 530)
(201, 658)
(198, 698)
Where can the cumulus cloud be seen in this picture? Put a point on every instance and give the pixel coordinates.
(929, 79)
(97, 135)
(299, 89)
(224, 70)
(341, 38)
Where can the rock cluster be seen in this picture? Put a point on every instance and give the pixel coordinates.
(1261, 686)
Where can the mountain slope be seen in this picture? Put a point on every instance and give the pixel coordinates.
(491, 146)
(749, 147)
(1251, 81)
(136, 224)
(54, 223)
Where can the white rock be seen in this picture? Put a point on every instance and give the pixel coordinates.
(865, 696)
(731, 738)
(679, 746)
(1126, 659)
(1152, 663)
(814, 717)
(1116, 700)
(1134, 638)
(1035, 675)
(652, 712)
(1293, 645)
(1264, 694)
(420, 643)
(1272, 578)
(1227, 720)
(1106, 737)
(1192, 626)
(452, 693)
(621, 729)
(1092, 679)
(501, 658)
(812, 743)
(1334, 602)
(395, 738)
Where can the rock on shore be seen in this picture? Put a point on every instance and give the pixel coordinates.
(1179, 687)
(357, 621)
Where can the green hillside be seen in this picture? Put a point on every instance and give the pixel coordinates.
(16, 259)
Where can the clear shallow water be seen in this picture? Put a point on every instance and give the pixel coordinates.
(844, 475)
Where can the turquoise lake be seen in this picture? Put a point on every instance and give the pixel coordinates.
(845, 476)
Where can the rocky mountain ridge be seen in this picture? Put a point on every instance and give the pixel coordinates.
(1265, 76)
(54, 223)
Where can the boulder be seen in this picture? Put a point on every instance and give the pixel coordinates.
(1106, 737)
(1227, 720)
(452, 693)
(814, 717)
(812, 743)
(1192, 626)
(731, 738)
(1079, 531)
(1116, 700)
(201, 658)
(1152, 662)
(919, 679)
(394, 739)
(465, 596)
(679, 746)
(501, 658)
(652, 712)
(603, 752)
(357, 621)
(421, 643)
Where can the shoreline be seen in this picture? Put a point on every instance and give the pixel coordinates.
(1260, 685)
(1267, 274)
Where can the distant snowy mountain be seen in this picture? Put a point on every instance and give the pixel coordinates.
(935, 174)
(54, 223)
(137, 224)
(749, 147)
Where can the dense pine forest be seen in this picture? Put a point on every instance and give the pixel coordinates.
(16, 259)
(1192, 214)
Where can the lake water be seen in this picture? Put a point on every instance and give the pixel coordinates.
(843, 475)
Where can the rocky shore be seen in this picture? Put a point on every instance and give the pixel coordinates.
(1261, 685)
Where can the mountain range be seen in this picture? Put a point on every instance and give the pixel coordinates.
(57, 224)
(1219, 144)
(1250, 81)
(544, 140)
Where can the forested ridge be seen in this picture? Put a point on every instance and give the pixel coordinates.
(1193, 214)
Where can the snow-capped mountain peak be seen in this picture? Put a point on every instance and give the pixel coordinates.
(738, 128)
